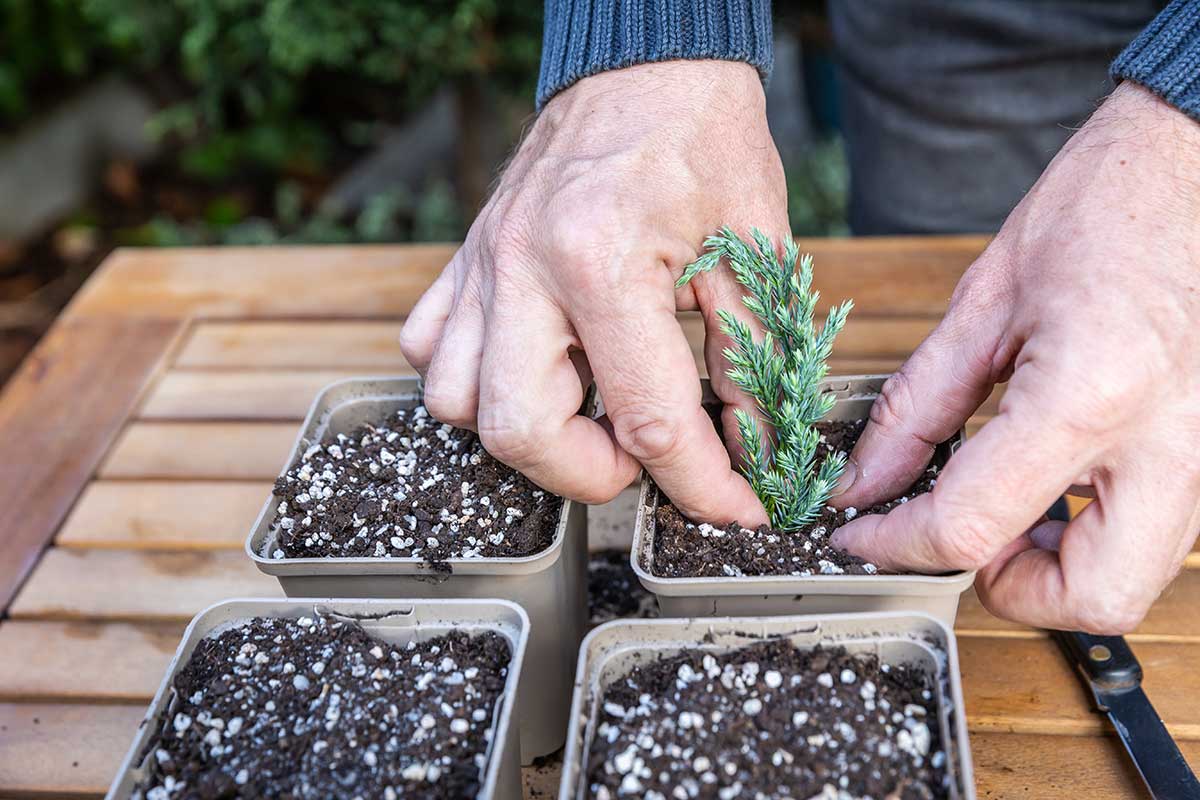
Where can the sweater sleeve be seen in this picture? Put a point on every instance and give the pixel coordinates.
(1165, 57)
(584, 37)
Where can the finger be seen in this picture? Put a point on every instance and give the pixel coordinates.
(920, 406)
(531, 390)
(996, 487)
(452, 380)
(423, 328)
(647, 377)
(1110, 564)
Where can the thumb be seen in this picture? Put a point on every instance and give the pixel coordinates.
(920, 406)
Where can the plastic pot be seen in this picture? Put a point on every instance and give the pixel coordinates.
(786, 594)
(551, 585)
(393, 621)
(610, 651)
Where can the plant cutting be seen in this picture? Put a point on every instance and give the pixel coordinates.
(792, 455)
(378, 499)
(338, 699)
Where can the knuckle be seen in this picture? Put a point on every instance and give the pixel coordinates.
(511, 438)
(647, 436)
(451, 408)
(1110, 611)
(895, 403)
(412, 344)
(965, 542)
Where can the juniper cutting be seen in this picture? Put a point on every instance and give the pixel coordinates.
(782, 372)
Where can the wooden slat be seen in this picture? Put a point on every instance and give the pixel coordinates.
(1173, 617)
(200, 450)
(318, 344)
(1058, 767)
(275, 395)
(369, 344)
(164, 515)
(57, 750)
(131, 585)
(1027, 686)
(59, 413)
(898, 275)
(65, 661)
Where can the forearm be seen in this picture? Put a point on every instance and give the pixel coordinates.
(585, 37)
(1165, 58)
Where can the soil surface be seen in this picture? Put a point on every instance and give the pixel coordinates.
(614, 590)
(684, 549)
(409, 487)
(769, 721)
(316, 708)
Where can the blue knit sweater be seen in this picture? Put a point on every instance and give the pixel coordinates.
(584, 37)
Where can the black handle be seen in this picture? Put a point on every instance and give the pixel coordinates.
(1106, 661)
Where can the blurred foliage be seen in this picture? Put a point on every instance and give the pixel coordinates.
(279, 84)
(429, 216)
(42, 42)
(818, 183)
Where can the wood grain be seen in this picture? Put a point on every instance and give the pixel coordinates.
(1172, 618)
(238, 395)
(97, 662)
(136, 586)
(63, 749)
(201, 450)
(371, 344)
(163, 515)
(378, 281)
(59, 414)
(1027, 686)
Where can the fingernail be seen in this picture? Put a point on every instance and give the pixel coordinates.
(1047, 535)
(849, 475)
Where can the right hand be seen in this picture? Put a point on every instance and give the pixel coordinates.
(569, 270)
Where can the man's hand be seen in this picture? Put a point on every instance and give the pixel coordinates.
(1088, 303)
(570, 269)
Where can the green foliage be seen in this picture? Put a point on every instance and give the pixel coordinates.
(782, 373)
(818, 184)
(272, 82)
(41, 42)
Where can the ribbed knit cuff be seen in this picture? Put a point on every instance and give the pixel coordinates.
(1165, 58)
(584, 37)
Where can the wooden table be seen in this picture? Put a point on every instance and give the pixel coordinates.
(138, 441)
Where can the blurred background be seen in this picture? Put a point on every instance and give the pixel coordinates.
(164, 123)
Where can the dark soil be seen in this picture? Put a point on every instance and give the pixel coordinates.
(316, 708)
(769, 720)
(614, 590)
(410, 487)
(684, 549)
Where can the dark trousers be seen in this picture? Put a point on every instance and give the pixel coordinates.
(952, 108)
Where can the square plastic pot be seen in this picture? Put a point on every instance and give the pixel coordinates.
(610, 651)
(785, 594)
(551, 585)
(393, 621)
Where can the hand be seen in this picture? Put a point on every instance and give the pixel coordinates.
(570, 268)
(1088, 303)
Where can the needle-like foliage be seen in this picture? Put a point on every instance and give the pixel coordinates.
(782, 373)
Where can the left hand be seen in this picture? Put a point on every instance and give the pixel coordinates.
(1088, 303)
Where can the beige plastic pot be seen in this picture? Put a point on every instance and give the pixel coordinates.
(393, 621)
(815, 594)
(550, 585)
(613, 649)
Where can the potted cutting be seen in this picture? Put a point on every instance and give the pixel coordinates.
(793, 463)
(377, 698)
(842, 706)
(378, 499)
